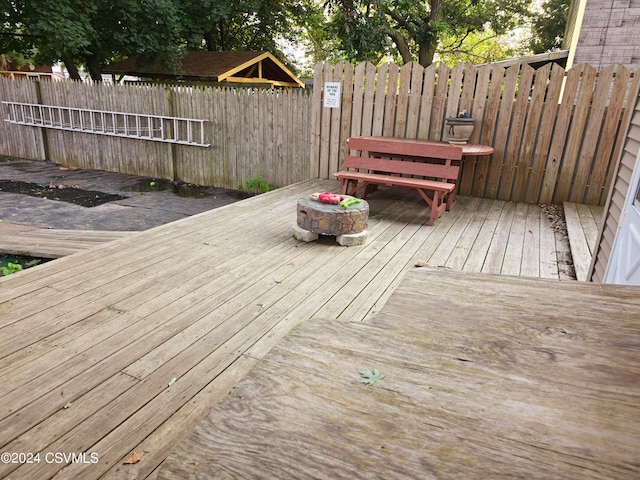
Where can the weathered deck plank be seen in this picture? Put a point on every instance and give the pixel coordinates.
(107, 329)
(582, 226)
(529, 385)
(54, 243)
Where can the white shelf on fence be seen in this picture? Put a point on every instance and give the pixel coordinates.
(183, 131)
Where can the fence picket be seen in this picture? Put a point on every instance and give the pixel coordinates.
(316, 120)
(391, 99)
(403, 101)
(489, 125)
(549, 106)
(455, 90)
(346, 105)
(426, 102)
(608, 134)
(379, 101)
(474, 169)
(439, 104)
(502, 132)
(571, 161)
(369, 92)
(531, 129)
(358, 100)
(592, 133)
(466, 101)
(415, 90)
(513, 162)
(336, 127)
(563, 120)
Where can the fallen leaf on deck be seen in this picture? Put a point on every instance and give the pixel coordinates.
(172, 381)
(134, 458)
(370, 377)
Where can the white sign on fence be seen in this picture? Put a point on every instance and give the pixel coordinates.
(332, 95)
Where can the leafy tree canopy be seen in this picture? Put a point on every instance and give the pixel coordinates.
(478, 47)
(412, 30)
(89, 33)
(548, 26)
(95, 32)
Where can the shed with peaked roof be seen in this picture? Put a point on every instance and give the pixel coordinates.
(226, 68)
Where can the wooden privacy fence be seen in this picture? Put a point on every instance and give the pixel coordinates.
(556, 134)
(252, 132)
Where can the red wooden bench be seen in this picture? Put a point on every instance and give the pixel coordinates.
(425, 166)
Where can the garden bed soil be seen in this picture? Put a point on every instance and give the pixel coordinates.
(64, 193)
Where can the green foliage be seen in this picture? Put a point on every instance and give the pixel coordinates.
(369, 377)
(10, 268)
(90, 32)
(481, 47)
(9, 264)
(94, 33)
(412, 31)
(548, 26)
(255, 184)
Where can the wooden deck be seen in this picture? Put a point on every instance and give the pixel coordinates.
(53, 243)
(126, 346)
(583, 222)
(531, 386)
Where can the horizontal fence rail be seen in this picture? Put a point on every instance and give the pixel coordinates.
(183, 131)
(556, 133)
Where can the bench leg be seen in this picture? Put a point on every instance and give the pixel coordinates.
(451, 197)
(351, 187)
(449, 201)
(437, 205)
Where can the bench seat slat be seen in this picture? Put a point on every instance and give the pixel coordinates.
(393, 180)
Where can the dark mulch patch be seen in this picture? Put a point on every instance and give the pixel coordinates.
(63, 193)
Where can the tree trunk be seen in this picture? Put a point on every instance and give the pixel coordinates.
(70, 65)
(426, 52)
(402, 45)
(428, 41)
(209, 41)
(94, 69)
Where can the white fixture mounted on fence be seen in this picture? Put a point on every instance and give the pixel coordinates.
(183, 131)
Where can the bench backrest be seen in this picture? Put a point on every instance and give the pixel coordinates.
(380, 146)
(420, 151)
(402, 167)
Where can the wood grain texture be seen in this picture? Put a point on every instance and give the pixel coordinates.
(583, 222)
(200, 300)
(522, 384)
(55, 243)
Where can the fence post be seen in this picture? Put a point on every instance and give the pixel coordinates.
(43, 131)
(171, 147)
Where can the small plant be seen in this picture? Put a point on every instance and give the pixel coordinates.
(13, 264)
(255, 184)
(10, 268)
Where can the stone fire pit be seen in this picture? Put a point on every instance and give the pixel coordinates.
(348, 224)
